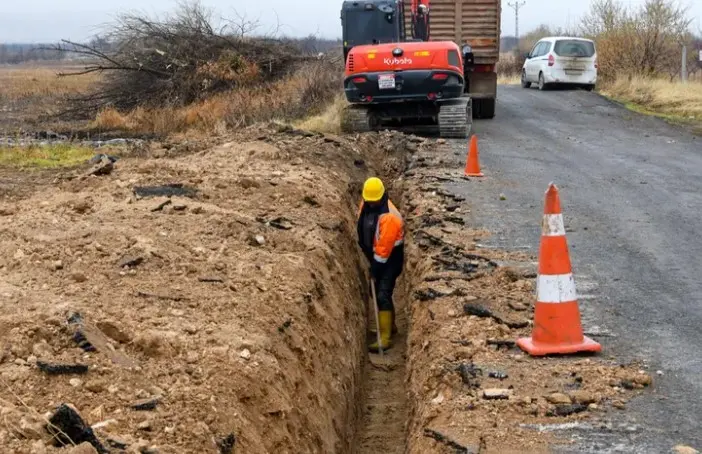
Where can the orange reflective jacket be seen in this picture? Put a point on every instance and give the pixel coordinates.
(389, 231)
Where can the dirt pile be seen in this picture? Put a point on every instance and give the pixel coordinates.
(193, 304)
(471, 389)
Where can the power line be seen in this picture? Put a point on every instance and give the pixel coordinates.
(515, 6)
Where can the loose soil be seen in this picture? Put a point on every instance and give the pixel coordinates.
(384, 425)
(236, 314)
(457, 359)
(241, 309)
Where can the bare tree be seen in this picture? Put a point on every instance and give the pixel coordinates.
(641, 41)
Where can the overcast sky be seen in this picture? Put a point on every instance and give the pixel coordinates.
(51, 20)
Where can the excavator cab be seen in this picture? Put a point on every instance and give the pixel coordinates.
(371, 22)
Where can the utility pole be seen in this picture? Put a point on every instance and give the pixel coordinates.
(683, 69)
(515, 6)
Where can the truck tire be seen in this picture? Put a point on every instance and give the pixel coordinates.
(484, 108)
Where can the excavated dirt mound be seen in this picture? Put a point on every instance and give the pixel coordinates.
(222, 309)
(471, 389)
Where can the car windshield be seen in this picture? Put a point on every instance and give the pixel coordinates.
(574, 48)
(368, 27)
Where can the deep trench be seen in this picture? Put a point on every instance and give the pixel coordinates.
(383, 419)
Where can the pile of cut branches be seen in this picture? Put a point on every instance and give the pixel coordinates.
(177, 61)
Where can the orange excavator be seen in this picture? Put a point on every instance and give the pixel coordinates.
(400, 80)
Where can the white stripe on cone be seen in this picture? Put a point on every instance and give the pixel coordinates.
(555, 288)
(552, 225)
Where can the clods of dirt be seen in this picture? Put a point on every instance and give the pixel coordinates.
(467, 310)
(192, 337)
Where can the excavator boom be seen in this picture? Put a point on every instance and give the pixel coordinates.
(419, 14)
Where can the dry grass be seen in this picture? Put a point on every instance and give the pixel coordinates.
(673, 101)
(509, 68)
(47, 156)
(513, 79)
(304, 94)
(30, 82)
(328, 121)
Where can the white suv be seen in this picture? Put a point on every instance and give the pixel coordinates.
(561, 60)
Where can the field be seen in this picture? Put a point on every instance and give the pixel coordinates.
(31, 94)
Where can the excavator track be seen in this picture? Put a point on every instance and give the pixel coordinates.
(456, 119)
(355, 119)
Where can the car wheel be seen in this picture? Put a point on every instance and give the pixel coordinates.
(589, 87)
(542, 82)
(525, 83)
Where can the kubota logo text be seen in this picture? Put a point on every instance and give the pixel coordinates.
(397, 61)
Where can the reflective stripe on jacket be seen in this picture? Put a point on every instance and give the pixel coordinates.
(389, 231)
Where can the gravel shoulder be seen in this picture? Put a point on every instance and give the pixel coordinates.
(631, 193)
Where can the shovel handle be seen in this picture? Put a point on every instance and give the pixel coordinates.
(377, 321)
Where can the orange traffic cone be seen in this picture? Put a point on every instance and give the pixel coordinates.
(472, 164)
(557, 327)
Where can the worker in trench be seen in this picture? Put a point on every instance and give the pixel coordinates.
(381, 235)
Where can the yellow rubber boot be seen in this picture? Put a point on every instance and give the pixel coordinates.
(385, 322)
(394, 325)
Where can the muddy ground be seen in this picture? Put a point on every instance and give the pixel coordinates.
(234, 312)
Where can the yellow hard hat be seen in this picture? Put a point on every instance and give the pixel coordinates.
(373, 189)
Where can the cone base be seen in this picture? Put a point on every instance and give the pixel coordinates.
(479, 174)
(540, 349)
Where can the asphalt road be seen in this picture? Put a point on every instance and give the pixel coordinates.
(631, 192)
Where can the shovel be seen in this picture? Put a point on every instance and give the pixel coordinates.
(377, 321)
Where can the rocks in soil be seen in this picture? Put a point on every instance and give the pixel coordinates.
(441, 438)
(257, 240)
(116, 443)
(166, 190)
(566, 409)
(161, 206)
(146, 404)
(627, 384)
(280, 223)
(310, 201)
(469, 374)
(496, 393)
(67, 427)
(516, 306)
(54, 368)
(130, 261)
(507, 343)
(214, 279)
(430, 294)
(226, 444)
(582, 397)
(558, 398)
(83, 448)
(103, 167)
(481, 311)
(498, 375)
(90, 338)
